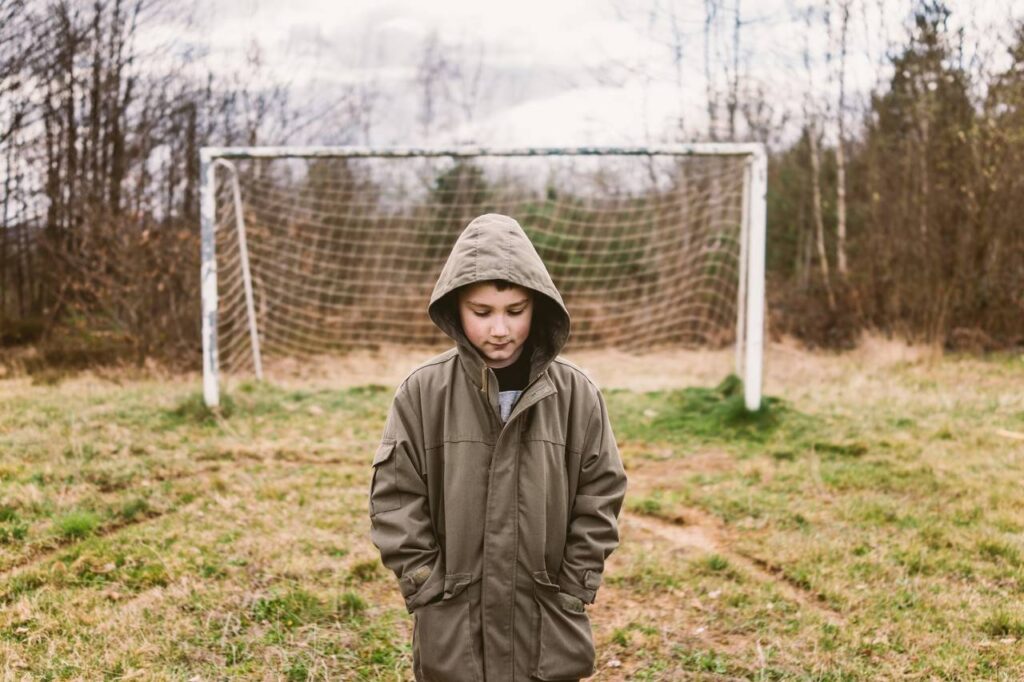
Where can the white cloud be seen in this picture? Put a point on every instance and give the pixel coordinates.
(631, 115)
(541, 57)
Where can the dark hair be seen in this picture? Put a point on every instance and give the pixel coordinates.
(499, 284)
(450, 303)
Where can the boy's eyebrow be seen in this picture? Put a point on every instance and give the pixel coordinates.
(484, 305)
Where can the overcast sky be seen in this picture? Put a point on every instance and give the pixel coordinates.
(562, 72)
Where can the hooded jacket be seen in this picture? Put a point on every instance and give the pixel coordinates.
(488, 525)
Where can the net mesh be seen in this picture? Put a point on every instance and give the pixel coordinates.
(344, 252)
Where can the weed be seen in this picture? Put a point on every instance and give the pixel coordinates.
(646, 574)
(701, 660)
(351, 605)
(291, 608)
(650, 505)
(193, 410)
(714, 563)
(620, 636)
(997, 550)
(13, 532)
(365, 571)
(1003, 624)
(841, 449)
(134, 508)
(77, 524)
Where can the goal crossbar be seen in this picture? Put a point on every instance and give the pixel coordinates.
(752, 149)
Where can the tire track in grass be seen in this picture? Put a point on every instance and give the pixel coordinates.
(284, 456)
(695, 531)
(52, 546)
(49, 547)
(232, 575)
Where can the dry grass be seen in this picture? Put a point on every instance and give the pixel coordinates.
(871, 527)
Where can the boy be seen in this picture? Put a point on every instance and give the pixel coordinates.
(497, 484)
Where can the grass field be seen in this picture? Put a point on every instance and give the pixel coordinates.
(868, 525)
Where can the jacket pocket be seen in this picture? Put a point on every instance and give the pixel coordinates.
(443, 645)
(384, 494)
(565, 643)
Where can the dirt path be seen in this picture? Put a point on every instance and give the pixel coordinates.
(696, 532)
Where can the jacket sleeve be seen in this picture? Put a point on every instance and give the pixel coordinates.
(593, 522)
(401, 527)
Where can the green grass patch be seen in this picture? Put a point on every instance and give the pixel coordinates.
(650, 505)
(291, 607)
(647, 575)
(77, 524)
(714, 563)
(134, 509)
(999, 551)
(1003, 624)
(193, 411)
(699, 414)
(365, 571)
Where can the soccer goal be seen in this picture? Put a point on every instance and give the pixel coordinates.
(314, 251)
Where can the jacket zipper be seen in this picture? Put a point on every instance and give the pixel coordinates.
(496, 418)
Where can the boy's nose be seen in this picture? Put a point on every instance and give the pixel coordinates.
(500, 329)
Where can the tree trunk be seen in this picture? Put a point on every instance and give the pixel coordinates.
(841, 264)
(710, 10)
(732, 103)
(819, 220)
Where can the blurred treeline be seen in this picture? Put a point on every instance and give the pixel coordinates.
(933, 247)
(906, 222)
(99, 143)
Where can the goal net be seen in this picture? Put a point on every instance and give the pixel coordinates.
(308, 252)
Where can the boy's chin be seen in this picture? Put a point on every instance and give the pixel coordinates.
(501, 357)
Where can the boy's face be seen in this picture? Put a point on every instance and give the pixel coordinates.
(496, 322)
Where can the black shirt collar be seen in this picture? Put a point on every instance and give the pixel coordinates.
(516, 376)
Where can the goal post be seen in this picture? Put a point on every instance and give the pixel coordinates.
(313, 250)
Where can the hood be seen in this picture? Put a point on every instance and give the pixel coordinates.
(495, 246)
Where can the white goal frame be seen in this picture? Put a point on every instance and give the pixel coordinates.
(750, 320)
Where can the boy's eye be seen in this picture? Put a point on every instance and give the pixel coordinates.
(511, 312)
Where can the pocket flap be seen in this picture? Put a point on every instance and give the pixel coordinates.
(571, 603)
(454, 583)
(542, 578)
(384, 452)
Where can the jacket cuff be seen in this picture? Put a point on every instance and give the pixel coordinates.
(421, 585)
(585, 589)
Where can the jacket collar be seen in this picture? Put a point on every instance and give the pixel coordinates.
(476, 369)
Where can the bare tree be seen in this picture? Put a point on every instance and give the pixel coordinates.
(449, 79)
(841, 264)
(432, 77)
(710, 18)
(811, 116)
(733, 77)
(15, 110)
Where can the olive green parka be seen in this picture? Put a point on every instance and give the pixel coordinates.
(488, 525)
